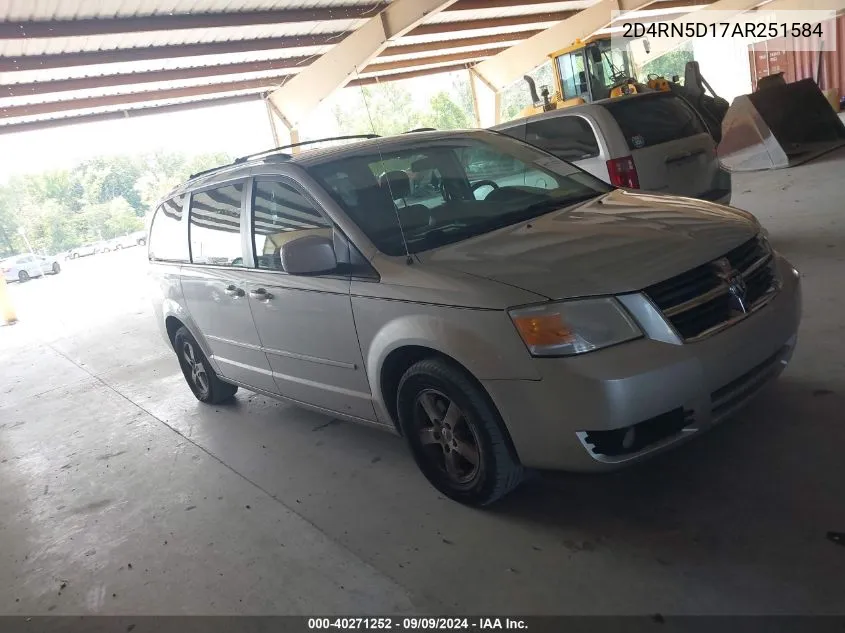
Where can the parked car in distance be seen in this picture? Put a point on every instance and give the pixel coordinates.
(651, 141)
(125, 241)
(520, 315)
(103, 246)
(82, 251)
(25, 267)
(140, 237)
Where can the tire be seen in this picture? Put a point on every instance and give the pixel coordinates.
(474, 432)
(142, 241)
(118, 247)
(23, 276)
(56, 268)
(199, 375)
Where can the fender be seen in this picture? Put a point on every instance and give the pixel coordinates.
(487, 350)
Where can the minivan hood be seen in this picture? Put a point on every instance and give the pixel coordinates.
(620, 242)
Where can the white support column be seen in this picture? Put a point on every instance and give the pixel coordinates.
(283, 133)
(301, 95)
(486, 101)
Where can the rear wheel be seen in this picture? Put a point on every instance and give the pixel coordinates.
(199, 375)
(56, 268)
(23, 276)
(455, 434)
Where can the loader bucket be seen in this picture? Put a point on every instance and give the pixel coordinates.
(779, 126)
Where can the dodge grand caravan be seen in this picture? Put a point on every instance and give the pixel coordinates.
(498, 307)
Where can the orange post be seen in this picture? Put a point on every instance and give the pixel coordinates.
(6, 307)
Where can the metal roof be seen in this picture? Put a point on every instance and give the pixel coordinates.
(70, 60)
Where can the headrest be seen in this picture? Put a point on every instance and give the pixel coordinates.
(399, 183)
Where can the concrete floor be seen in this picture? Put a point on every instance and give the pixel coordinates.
(120, 494)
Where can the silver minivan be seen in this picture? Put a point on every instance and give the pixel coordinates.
(498, 307)
(651, 141)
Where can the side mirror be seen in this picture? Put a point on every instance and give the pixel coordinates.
(308, 255)
(647, 46)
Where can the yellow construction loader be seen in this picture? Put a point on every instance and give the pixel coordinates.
(594, 69)
(778, 125)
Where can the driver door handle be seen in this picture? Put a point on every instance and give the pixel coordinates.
(261, 294)
(234, 291)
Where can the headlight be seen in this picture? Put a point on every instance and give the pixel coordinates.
(573, 327)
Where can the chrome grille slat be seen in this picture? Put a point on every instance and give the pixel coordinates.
(699, 302)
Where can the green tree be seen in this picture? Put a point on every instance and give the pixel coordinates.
(383, 109)
(516, 96)
(672, 63)
(446, 114)
(100, 198)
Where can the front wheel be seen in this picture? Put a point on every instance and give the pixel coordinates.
(56, 268)
(199, 375)
(23, 276)
(455, 434)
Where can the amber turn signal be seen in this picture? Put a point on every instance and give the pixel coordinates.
(543, 329)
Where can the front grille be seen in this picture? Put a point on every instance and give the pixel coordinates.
(732, 395)
(709, 296)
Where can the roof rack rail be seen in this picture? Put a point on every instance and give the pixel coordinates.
(420, 129)
(278, 150)
(208, 171)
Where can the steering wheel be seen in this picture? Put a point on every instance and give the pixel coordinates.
(483, 183)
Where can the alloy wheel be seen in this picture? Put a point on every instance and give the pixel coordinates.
(197, 370)
(448, 440)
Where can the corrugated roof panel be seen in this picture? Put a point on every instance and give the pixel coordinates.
(105, 91)
(444, 50)
(419, 39)
(538, 10)
(52, 74)
(125, 108)
(525, 8)
(76, 9)
(41, 46)
(387, 73)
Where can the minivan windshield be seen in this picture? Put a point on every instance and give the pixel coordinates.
(449, 189)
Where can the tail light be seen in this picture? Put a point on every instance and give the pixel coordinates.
(623, 172)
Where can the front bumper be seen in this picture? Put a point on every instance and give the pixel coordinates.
(550, 419)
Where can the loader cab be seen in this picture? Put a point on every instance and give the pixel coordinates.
(589, 71)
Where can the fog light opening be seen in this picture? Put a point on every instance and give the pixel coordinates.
(629, 438)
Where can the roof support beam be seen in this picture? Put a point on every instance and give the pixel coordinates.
(302, 94)
(167, 22)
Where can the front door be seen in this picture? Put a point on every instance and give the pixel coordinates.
(214, 287)
(304, 322)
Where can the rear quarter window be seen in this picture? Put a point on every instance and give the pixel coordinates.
(653, 120)
(168, 234)
(567, 137)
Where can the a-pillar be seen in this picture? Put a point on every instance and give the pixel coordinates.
(486, 100)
